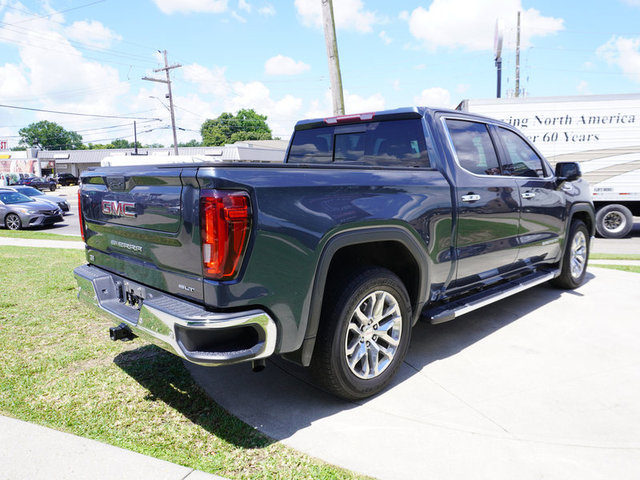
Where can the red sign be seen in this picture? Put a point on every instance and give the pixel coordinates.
(3, 144)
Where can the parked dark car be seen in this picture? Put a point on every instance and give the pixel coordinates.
(39, 183)
(66, 179)
(19, 211)
(38, 195)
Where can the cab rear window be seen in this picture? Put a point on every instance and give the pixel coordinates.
(397, 143)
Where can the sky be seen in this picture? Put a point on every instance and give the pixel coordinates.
(88, 57)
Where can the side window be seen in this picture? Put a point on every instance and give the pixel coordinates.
(522, 160)
(398, 143)
(473, 146)
(312, 146)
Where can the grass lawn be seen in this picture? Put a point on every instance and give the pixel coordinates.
(624, 268)
(614, 256)
(59, 369)
(37, 235)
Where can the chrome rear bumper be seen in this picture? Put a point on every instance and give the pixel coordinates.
(180, 327)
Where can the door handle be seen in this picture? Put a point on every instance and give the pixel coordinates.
(527, 195)
(471, 197)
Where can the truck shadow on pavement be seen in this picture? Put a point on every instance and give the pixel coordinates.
(282, 400)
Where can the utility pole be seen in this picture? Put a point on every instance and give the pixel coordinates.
(332, 54)
(518, 59)
(169, 95)
(135, 139)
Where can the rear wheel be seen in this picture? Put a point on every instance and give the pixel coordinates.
(364, 334)
(576, 254)
(13, 222)
(614, 221)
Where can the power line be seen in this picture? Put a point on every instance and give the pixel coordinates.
(36, 17)
(123, 125)
(77, 114)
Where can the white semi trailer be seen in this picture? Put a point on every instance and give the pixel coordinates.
(601, 132)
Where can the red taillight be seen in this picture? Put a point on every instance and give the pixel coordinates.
(80, 217)
(225, 221)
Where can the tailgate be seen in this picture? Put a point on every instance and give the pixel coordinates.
(141, 223)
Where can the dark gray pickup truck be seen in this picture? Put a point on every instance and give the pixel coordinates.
(373, 222)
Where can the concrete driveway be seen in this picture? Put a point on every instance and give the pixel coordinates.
(545, 384)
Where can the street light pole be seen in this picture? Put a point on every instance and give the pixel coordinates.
(497, 50)
(169, 95)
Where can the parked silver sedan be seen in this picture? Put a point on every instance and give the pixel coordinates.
(19, 211)
(38, 195)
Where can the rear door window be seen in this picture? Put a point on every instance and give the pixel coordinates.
(312, 146)
(396, 143)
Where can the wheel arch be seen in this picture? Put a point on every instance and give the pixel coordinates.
(394, 248)
(584, 212)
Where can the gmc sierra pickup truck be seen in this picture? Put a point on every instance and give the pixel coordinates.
(373, 222)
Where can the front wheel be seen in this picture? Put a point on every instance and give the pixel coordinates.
(364, 334)
(576, 255)
(13, 222)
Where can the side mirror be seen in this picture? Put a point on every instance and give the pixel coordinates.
(567, 172)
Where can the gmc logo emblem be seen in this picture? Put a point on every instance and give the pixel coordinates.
(118, 209)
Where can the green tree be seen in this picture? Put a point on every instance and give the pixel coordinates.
(190, 143)
(121, 143)
(118, 143)
(49, 136)
(229, 128)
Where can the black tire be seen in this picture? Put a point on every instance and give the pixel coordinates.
(342, 325)
(52, 188)
(614, 221)
(12, 222)
(576, 255)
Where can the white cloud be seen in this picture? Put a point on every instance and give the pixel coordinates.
(92, 33)
(12, 81)
(244, 5)
(471, 24)
(348, 15)
(238, 17)
(267, 11)
(229, 96)
(385, 37)
(50, 67)
(281, 65)
(191, 6)
(433, 97)
(209, 81)
(353, 103)
(583, 88)
(623, 52)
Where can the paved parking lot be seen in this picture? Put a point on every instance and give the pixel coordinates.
(545, 384)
